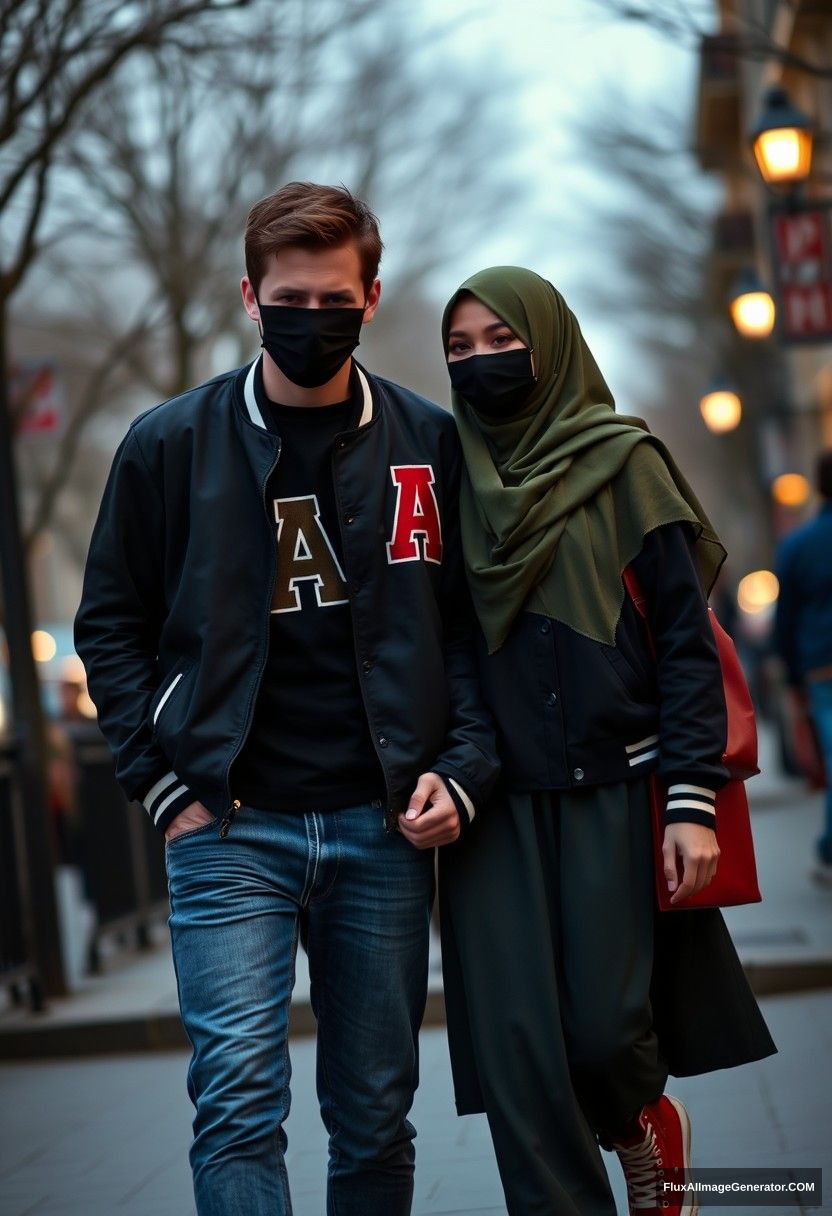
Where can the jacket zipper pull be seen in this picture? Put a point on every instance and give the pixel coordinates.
(229, 815)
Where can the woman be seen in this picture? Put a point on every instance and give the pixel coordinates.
(569, 998)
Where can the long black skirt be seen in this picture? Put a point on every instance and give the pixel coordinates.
(569, 997)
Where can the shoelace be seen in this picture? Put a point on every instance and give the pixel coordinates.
(641, 1169)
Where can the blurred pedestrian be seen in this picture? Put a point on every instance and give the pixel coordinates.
(569, 998)
(803, 634)
(277, 635)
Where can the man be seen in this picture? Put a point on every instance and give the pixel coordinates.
(803, 632)
(275, 627)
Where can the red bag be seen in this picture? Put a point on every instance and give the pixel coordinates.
(735, 881)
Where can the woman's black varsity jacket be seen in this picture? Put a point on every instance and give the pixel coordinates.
(173, 624)
(572, 712)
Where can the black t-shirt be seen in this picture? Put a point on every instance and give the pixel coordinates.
(309, 747)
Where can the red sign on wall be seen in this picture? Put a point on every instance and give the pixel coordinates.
(802, 240)
(36, 397)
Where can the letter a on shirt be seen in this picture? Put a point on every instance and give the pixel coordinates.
(417, 515)
(304, 553)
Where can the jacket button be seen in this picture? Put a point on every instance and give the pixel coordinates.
(342, 443)
(367, 665)
(578, 774)
(552, 698)
(544, 626)
(348, 519)
(383, 741)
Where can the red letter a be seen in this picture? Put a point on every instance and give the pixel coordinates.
(417, 514)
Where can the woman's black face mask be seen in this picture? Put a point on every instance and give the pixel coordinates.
(495, 385)
(310, 345)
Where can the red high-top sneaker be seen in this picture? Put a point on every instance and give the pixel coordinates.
(661, 1152)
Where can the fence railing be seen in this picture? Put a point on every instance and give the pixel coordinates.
(18, 968)
(120, 852)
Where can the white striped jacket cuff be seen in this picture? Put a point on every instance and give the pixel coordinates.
(464, 799)
(691, 804)
(165, 799)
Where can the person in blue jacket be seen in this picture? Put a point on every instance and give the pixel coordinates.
(803, 631)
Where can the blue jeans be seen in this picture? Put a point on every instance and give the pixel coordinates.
(363, 898)
(820, 706)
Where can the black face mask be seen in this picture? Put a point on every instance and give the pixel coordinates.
(309, 345)
(495, 385)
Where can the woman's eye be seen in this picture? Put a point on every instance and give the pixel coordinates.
(457, 348)
(501, 339)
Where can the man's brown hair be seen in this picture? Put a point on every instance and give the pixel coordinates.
(313, 217)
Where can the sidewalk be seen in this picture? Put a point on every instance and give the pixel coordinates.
(785, 944)
(109, 1137)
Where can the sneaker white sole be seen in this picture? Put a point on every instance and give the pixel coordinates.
(689, 1206)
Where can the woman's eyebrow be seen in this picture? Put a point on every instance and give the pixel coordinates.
(461, 333)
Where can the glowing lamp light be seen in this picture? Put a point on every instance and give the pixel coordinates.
(752, 308)
(782, 140)
(791, 490)
(44, 646)
(721, 409)
(757, 591)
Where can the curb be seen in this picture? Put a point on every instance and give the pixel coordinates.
(164, 1032)
(159, 1032)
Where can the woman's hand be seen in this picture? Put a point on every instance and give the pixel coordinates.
(431, 818)
(696, 847)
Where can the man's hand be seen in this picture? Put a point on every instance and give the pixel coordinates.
(431, 818)
(193, 816)
(698, 851)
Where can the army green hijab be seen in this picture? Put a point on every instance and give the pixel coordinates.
(558, 497)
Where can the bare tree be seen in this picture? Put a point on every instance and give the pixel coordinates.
(655, 222)
(687, 22)
(54, 56)
(159, 181)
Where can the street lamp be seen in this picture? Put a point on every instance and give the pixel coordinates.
(757, 591)
(752, 308)
(782, 140)
(791, 490)
(721, 409)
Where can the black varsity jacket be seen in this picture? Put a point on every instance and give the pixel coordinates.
(173, 624)
(572, 712)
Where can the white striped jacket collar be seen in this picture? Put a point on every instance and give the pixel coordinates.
(257, 418)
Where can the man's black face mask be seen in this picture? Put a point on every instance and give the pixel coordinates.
(309, 345)
(495, 385)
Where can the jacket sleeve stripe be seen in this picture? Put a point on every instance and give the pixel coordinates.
(644, 756)
(466, 801)
(154, 792)
(676, 804)
(701, 791)
(636, 747)
(177, 793)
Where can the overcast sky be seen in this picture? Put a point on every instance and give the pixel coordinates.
(566, 53)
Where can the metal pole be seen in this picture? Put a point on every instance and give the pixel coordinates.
(39, 846)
